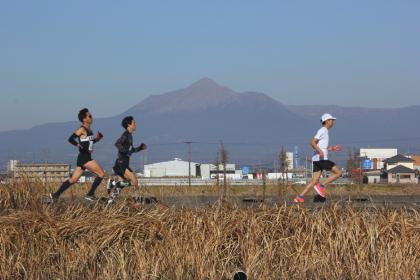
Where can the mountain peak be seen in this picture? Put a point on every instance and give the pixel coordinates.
(204, 94)
(205, 83)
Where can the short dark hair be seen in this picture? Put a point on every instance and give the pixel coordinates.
(127, 121)
(82, 114)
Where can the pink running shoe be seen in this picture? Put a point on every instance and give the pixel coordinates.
(320, 189)
(299, 199)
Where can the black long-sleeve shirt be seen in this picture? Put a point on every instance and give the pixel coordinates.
(125, 145)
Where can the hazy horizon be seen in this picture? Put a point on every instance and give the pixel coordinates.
(126, 109)
(74, 118)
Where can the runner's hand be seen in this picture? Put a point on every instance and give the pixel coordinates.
(99, 136)
(336, 148)
(142, 147)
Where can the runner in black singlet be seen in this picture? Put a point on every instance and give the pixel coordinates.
(83, 139)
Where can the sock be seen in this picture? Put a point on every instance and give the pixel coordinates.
(95, 184)
(62, 189)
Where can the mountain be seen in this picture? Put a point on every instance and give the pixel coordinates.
(207, 111)
(253, 127)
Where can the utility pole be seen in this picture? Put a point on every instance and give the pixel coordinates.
(189, 161)
(144, 169)
(144, 158)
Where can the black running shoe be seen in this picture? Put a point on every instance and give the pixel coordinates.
(53, 197)
(319, 199)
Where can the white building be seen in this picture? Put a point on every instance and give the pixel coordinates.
(211, 171)
(279, 176)
(372, 177)
(174, 168)
(38, 172)
(378, 156)
(399, 160)
(179, 168)
(290, 160)
(11, 165)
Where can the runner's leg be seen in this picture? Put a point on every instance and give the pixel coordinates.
(336, 173)
(315, 180)
(73, 180)
(96, 168)
(133, 179)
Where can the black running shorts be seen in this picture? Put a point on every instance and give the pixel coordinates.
(322, 165)
(120, 166)
(83, 158)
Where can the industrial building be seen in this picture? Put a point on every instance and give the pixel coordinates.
(206, 171)
(45, 172)
(375, 158)
(212, 171)
(173, 168)
(180, 168)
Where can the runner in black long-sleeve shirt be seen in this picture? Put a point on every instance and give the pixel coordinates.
(125, 175)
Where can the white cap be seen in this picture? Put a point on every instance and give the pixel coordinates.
(325, 117)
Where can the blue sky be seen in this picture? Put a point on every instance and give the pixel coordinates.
(59, 56)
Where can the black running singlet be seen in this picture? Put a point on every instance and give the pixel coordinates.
(86, 143)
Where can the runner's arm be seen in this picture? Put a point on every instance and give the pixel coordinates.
(314, 145)
(76, 134)
(139, 148)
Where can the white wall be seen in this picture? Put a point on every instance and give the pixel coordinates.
(406, 164)
(205, 171)
(279, 176)
(174, 168)
(378, 153)
(290, 161)
(11, 165)
(374, 179)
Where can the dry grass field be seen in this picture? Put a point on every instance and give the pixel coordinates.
(132, 241)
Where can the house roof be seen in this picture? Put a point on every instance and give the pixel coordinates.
(401, 169)
(398, 158)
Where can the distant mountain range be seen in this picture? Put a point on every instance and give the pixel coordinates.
(253, 127)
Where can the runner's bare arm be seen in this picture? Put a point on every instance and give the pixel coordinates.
(72, 138)
(314, 144)
(80, 132)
